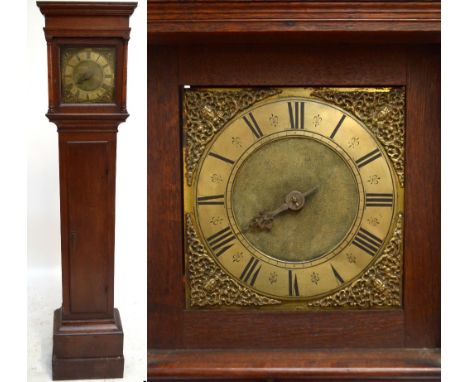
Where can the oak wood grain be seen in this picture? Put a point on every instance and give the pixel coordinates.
(170, 326)
(184, 21)
(313, 365)
(287, 43)
(165, 238)
(422, 201)
(292, 65)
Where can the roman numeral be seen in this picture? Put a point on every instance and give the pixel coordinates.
(211, 200)
(296, 116)
(293, 286)
(253, 125)
(221, 241)
(366, 159)
(335, 130)
(220, 157)
(250, 272)
(367, 241)
(379, 200)
(88, 54)
(337, 275)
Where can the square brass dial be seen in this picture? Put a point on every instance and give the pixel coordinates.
(87, 75)
(293, 197)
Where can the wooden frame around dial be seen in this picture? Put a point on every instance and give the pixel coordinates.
(230, 44)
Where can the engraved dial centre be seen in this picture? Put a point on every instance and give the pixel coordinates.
(282, 172)
(88, 75)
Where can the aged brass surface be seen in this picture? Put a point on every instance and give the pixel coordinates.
(293, 198)
(210, 285)
(87, 74)
(382, 110)
(293, 163)
(207, 112)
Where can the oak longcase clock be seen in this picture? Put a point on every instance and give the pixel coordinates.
(87, 60)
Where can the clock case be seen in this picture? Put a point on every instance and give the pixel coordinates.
(87, 332)
(292, 44)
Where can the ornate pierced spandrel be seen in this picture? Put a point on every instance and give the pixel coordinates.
(382, 110)
(379, 286)
(209, 285)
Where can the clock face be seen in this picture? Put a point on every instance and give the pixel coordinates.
(88, 75)
(294, 198)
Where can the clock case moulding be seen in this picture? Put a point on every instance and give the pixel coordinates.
(294, 44)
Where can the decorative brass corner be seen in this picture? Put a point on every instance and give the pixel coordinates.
(206, 111)
(382, 110)
(379, 286)
(209, 285)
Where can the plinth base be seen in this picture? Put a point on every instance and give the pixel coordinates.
(87, 349)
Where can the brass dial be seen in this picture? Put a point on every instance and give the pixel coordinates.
(88, 75)
(294, 197)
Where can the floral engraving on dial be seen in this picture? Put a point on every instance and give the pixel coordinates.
(237, 257)
(273, 120)
(236, 141)
(353, 142)
(209, 285)
(315, 278)
(373, 221)
(206, 112)
(351, 258)
(380, 283)
(382, 111)
(216, 178)
(316, 120)
(374, 179)
(216, 220)
(273, 277)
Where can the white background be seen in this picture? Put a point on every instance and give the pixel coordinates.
(23, 114)
(43, 214)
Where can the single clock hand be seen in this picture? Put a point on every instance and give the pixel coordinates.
(84, 77)
(294, 201)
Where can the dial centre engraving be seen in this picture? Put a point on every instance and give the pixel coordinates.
(88, 75)
(305, 208)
